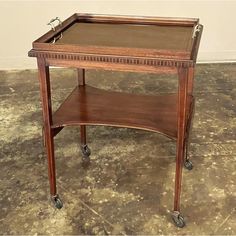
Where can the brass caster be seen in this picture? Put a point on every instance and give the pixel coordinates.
(85, 151)
(178, 219)
(188, 164)
(57, 202)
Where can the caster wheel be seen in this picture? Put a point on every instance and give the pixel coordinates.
(188, 164)
(57, 202)
(85, 151)
(178, 219)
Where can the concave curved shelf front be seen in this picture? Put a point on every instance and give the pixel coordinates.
(87, 105)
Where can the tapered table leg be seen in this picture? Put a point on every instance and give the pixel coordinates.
(45, 93)
(182, 116)
(187, 163)
(84, 147)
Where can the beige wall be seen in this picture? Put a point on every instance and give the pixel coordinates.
(23, 21)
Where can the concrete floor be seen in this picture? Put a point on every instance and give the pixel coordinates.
(128, 188)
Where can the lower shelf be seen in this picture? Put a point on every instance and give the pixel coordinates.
(87, 105)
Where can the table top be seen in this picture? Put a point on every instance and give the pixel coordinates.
(165, 41)
(128, 36)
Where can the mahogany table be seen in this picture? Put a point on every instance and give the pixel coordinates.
(140, 44)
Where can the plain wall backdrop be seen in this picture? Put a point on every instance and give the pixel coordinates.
(22, 22)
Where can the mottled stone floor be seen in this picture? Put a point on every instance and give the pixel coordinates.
(128, 188)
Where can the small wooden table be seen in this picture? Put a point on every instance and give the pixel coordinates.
(141, 44)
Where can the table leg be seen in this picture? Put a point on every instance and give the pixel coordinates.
(45, 93)
(182, 108)
(190, 80)
(84, 147)
(187, 163)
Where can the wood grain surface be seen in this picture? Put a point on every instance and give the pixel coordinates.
(91, 106)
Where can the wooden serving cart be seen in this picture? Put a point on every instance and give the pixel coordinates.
(122, 43)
